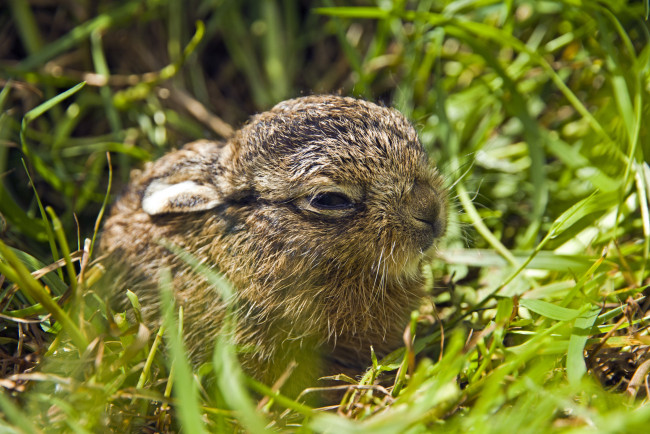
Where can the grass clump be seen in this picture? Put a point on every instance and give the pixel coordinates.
(534, 111)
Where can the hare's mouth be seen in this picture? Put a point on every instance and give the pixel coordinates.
(433, 229)
(428, 232)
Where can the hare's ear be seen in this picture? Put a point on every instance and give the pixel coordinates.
(182, 197)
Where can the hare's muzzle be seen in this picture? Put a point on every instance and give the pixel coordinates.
(427, 212)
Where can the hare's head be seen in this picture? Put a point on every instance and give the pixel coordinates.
(335, 183)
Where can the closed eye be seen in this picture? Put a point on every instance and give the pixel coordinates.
(331, 200)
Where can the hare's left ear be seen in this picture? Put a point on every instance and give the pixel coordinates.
(161, 197)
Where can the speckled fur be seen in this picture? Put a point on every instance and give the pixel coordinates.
(316, 286)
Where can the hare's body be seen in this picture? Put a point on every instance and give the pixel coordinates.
(317, 211)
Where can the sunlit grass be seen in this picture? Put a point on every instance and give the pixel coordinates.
(534, 112)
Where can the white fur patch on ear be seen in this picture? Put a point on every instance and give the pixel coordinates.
(186, 196)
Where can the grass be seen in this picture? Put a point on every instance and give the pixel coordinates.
(534, 110)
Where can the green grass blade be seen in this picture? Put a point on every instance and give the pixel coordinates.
(117, 147)
(45, 106)
(31, 227)
(101, 66)
(146, 370)
(54, 281)
(230, 379)
(229, 373)
(184, 386)
(274, 63)
(643, 189)
(46, 222)
(81, 33)
(65, 249)
(15, 415)
(481, 227)
(26, 23)
(240, 45)
(15, 271)
(100, 215)
(142, 90)
(41, 167)
(549, 310)
(217, 280)
(575, 361)
(354, 12)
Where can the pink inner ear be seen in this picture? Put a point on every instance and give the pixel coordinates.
(186, 196)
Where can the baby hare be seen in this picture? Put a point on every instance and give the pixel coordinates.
(318, 211)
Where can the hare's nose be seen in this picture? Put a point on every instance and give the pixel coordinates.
(425, 208)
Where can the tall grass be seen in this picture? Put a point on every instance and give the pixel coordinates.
(535, 112)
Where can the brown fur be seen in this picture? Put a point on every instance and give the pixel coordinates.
(316, 285)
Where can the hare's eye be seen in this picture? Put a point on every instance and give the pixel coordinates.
(331, 201)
